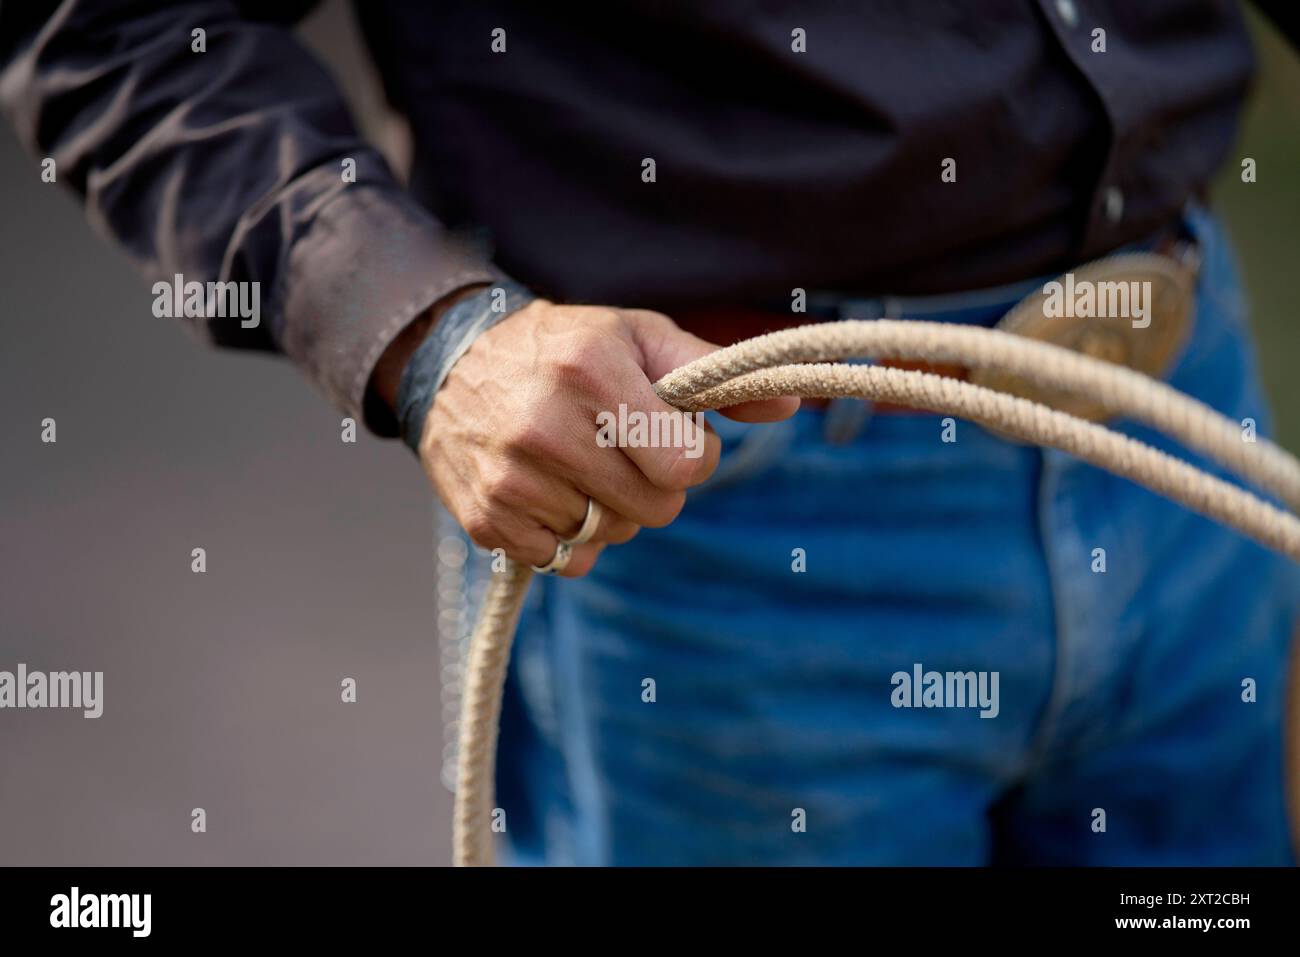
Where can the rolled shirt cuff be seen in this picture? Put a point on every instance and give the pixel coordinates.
(371, 261)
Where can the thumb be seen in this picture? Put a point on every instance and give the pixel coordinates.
(666, 346)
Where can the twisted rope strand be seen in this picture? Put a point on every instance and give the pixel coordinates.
(480, 714)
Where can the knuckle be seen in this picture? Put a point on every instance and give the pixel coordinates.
(579, 370)
(665, 509)
(674, 471)
(583, 362)
(523, 556)
(688, 470)
(481, 528)
(602, 320)
(623, 532)
(536, 436)
(504, 490)
(653, 326)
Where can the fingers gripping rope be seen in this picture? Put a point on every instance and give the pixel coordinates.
(769, 366)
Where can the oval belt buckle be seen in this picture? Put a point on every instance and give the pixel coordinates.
(1133, 309)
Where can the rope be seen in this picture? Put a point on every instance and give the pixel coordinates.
(764, 367)
(1119, 389)
(480, 713)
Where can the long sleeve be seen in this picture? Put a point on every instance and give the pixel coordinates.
(228, 165)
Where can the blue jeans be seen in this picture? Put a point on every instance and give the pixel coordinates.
(769, 733)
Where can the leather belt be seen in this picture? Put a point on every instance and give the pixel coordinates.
(1133, 308)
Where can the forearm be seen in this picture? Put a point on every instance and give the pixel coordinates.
(236, 163)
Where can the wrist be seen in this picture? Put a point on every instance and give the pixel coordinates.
(387, 375)
(448, 336)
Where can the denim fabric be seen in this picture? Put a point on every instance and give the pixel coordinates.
(1119, 691)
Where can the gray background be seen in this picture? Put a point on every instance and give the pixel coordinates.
(222, 690)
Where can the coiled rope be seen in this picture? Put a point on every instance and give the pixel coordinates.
(777, 364)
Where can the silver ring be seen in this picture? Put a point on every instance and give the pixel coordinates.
(563, 552)
(589, 524)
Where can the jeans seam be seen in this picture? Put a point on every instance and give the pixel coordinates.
(1049, 722)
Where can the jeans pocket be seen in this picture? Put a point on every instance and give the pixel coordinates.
(1218, 364)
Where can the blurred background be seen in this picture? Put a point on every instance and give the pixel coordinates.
(222, 690)
(1264, 220)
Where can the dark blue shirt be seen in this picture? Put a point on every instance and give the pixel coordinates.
(794, 144)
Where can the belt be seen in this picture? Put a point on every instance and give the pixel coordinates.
(1133, 307)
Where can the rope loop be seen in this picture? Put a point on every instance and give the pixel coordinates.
(797, 362)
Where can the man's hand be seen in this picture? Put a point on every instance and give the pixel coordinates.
(510, 441)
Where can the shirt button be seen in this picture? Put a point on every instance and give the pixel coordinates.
(1114, 205)
(1069, 13)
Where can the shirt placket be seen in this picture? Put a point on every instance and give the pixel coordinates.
(1072, 22)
